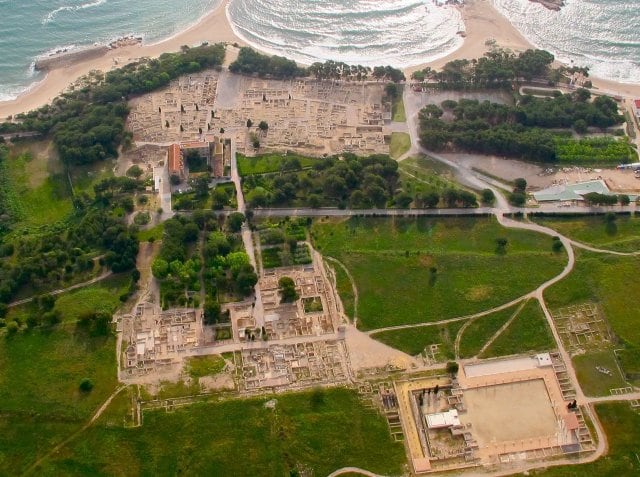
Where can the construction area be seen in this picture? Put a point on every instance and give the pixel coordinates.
(306, 116)
(492, 413)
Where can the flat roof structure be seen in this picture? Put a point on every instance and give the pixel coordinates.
(441, 420)
(571, 192)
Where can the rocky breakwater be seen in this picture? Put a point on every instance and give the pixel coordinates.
(67, 57)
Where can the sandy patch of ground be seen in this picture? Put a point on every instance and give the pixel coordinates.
(365, 352)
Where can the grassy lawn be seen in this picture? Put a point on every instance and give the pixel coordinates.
(415, 270)
(398, 113)
(593, 382)
(41, 401)
(200, 366)
(153, 232)
(266, 163)
(400, 143)
(240, 438)
(423, 174)
(611, 282)
(40, 188)
(527, 333)
(271, 257)
(103, 296)
(481, 330)
(414, 340)
(622, 426)
(623, 235)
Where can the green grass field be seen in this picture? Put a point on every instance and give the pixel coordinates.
(103, 296)
(622, 236)
(398, 113)
(622, 426)
(43, 195)
(400, 143)
(593, 382)
(414, 340)
(481, 330)
(411, 270)
(345, 290)
(241, 438)
(529, 332)
(266, 163)
(200, 366)
(41, 400)
(155, 232)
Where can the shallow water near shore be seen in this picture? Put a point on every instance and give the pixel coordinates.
(30, 28)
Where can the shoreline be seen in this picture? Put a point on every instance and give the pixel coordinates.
(483, 22)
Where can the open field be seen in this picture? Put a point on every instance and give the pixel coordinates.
(400, 143)
(622, 426)
(593, 382)
(319, 432)
(39, 187)
(41, 400)
(427, 175)
(481, 330)
(452, 265)
(623, 235)
(414, 340)
(529, 332)
(153, 233)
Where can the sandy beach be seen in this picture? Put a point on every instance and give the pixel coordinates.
(483, 23)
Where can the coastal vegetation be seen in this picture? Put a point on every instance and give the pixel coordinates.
(529, 130)
(251, 62)
(86, 123)
(498, 68)
(456, 265)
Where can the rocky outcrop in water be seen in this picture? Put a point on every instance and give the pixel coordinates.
(555, 5)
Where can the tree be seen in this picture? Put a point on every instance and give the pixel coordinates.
(86, 385)
(160, 268)
(235, 221)
(488, 197)
(174, 179)
(452, 368)
(624, 199)
(249, 123)
(520, 184)
(263, 126)
(211, 311)
(134, 171)
(580, 126)
(287, 289)
(517, 199)
(557, 246)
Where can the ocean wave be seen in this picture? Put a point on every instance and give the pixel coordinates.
(599, 34)
(70, 8)
(397, 32)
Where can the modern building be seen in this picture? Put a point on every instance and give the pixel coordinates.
(175, 161)
(572, 192)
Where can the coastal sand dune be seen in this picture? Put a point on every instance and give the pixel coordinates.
(483, 23)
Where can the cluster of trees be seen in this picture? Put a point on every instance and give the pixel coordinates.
(518, 196)
(512, 131)
(251, 62)
(335, 70)
(59, 253)
(219, 258)
(287, 289)
(599, 149)
(594, 198)
(359, 182)
(87, 124)
(496, 69)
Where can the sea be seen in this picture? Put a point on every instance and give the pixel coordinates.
(601, 34)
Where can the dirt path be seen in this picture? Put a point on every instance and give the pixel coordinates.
(59, 446)
(353, 287)
(63, 290)
(502, 328)
(353, 470)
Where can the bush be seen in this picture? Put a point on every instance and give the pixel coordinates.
(86, 385)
